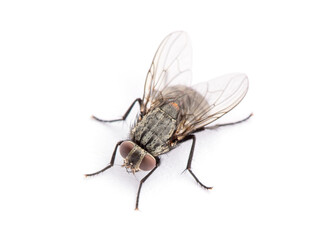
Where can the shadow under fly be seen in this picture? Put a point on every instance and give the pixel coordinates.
(172, 111)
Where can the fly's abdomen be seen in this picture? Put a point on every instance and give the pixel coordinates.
(155, 129)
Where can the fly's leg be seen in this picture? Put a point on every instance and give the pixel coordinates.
(193, 138)
(140, 186)
(225, 124)
(111, 162)
(190, 158)
(124, 116)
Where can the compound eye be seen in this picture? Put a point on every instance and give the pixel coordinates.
(125, 148)
(148, 163)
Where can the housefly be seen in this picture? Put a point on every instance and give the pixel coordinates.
(172, 111)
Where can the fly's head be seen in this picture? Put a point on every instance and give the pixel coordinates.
(136, 158)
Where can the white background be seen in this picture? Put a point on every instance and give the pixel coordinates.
(62, 61)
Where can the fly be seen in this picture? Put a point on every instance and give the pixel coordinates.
(172, 110)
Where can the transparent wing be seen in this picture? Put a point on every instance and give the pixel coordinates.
(171, 66)
(204, 103)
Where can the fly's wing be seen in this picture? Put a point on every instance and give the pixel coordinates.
(171, 66)
(204, 103)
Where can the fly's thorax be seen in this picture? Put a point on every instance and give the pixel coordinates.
(172, 109)
(136, 158)
(153, 133)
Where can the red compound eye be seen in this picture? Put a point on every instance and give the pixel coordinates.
(125, 148)
(148, 163)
